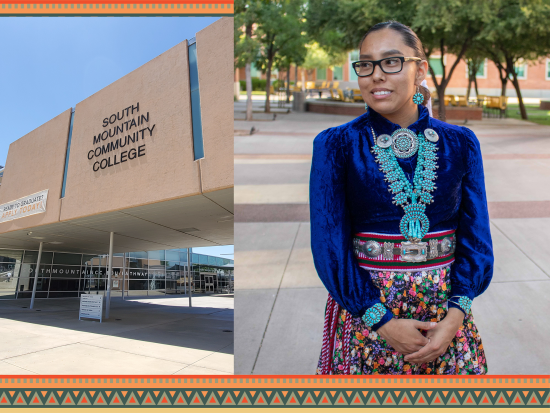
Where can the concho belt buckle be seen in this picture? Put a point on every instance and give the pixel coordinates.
(414, 251)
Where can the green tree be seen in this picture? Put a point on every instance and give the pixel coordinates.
(278, 23)
(517, 31)
(445, 26)
(246, 45)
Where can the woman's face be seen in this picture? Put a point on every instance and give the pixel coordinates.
(389, 93)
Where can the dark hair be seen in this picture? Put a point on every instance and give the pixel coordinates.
(410, 38)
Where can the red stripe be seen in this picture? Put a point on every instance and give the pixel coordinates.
(401, 237)
(405, 269)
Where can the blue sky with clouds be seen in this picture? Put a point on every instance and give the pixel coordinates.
(48, 64)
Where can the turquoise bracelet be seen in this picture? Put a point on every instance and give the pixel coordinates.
(374, 314)
(463, 302)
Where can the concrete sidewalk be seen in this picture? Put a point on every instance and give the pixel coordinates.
(280, 299)
(143, 336)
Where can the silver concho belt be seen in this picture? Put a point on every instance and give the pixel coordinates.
(375, 250)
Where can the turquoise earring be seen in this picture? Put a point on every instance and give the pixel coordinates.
(418, 98)
(366, 106)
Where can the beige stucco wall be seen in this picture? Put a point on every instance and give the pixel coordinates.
(167, 170)
(215, 64)
(36, 162)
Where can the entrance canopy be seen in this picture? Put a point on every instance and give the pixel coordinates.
(195, 221)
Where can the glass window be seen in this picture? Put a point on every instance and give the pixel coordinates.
(137, 254)
(547, 69)
(321, 74)
(353, 57)
(435, 63)
(480, 71)
(68, 259)
(63, 284)
(137, 273)
(203, 259)
(173, 265)
(32, 256)
(157, 274)
(11, 255)
(64, 271)
(211, 260)
(137, 284)
(194, 258)
(521, 70)
(172, 255)
(137, 263)
(183, 255)
(156, 255)
(198, 145)
(337, 73)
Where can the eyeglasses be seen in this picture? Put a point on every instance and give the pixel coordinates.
(365, 68)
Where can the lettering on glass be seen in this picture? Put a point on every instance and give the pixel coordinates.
(123, 140)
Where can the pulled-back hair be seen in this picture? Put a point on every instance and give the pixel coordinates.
(410, 38)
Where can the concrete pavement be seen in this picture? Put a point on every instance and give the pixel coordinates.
(280, 299)
(154, 336)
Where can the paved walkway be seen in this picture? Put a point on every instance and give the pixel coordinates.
(279, 317)
(154, 336)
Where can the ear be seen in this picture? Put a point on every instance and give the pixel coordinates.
(421, 72)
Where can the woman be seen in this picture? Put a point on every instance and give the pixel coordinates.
(399, 225)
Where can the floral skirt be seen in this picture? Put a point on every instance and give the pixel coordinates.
(350, 347)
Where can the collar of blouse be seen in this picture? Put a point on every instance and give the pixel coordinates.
(381, 125)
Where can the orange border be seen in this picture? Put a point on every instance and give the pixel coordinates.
(118, 7)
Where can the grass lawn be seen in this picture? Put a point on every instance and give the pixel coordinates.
(534, 114)
(254, 92)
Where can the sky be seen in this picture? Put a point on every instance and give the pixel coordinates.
(49, 64)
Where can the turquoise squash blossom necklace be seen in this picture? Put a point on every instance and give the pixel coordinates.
(404, 143)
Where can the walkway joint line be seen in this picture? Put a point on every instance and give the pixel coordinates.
(276, 296)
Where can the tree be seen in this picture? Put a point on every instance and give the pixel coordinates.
(446, 26)
(450, 28)
(278, 23)
(474, 61)
(293, 51)
(517, 31)
(246, 46)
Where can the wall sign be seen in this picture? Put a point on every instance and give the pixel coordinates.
(91, 306)
(124, 133)
(24, 207)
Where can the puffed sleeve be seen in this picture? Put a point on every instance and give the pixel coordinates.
(473, 267)
(331, 237)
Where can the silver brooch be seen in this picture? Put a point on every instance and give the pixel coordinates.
(431, 135)
(384, 141)
(404, 143)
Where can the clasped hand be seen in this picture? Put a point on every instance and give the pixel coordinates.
(404, 336)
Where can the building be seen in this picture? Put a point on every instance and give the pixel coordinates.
(533, 77)
(146, 165)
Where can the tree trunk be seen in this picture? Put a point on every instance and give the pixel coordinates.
(510, 69)
(303, 80)
(469, 89)
(475, 86)
(248, 92)
(288, 85)
(268, 86)
(442, 115)
(522, 109)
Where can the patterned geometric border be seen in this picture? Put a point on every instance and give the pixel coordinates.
(273, 391)
(117, 8)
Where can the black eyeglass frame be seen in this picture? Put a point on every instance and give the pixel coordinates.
(378, 63)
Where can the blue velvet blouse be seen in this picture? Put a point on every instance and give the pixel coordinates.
(348, 195)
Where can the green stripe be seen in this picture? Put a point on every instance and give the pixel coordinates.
(362, 238)
(405, 264)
